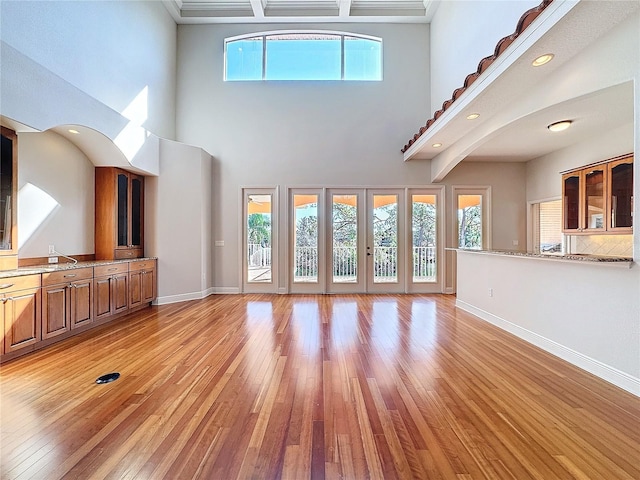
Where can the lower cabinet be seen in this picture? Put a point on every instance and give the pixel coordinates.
(142, 282)
(111, 288)
(39, 307)
(67, 305)
(20, 312)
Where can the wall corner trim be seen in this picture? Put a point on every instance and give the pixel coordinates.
(612, 375)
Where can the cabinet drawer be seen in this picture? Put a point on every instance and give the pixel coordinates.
(13, 284)
(111, 269)
(66, 276)
(142, 265)
(128, 253)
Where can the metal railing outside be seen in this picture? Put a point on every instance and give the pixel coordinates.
(345, 263)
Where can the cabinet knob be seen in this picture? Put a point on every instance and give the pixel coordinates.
(6, 285)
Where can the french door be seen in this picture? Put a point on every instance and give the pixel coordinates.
(259, 257)
(357, 240)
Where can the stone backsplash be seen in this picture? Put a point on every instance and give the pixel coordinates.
(609, 245)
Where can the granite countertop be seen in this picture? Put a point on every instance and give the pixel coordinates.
(56, 267)
(570, 257)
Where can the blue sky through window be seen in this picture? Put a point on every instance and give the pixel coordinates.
(304, 56)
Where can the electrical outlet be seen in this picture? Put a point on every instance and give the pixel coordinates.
(52, 249)
(491, 292)
(53, 259)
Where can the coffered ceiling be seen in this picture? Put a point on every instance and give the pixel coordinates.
(301, 11)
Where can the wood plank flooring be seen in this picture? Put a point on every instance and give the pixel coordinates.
(296, 387)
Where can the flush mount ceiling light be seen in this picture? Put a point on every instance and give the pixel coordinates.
(473, 116)
(542, 59)
(71, 130)
(436, 145)
(559, 126)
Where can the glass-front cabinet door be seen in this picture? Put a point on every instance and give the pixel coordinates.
(136, 211)
(8, 201)
(123, 210)
(594, 198)
(620, 211)
(571, 202)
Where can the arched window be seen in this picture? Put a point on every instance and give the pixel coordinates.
(303, 56)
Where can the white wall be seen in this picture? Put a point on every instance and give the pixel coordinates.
(587, 314)
(508, 207)
(178, 222)
(54, 167)
(298, 133)
(109, 50)
(463, 33)
(543, 173)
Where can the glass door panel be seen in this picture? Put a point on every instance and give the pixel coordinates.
(123, 210)
(345, 241)
(594, 199)
(469, 221)
(305, 238)
(385, 238)
(385, 245)
(424, 240)
(621, 181)
(259, 231)
(571, 194)
(344, 234)
(136, 212)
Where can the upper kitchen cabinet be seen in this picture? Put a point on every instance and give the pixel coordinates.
(8, 201)
(599, 198)
(119, 231)
(620, 211)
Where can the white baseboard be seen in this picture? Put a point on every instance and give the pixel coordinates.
(226, 290)
(184, 297)
(621, 379)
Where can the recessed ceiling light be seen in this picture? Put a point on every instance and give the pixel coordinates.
(71, 130)
(542, 59)
(559, 126)
(436, 145)
(473, 116)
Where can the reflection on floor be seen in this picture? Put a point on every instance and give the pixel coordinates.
(283, 386)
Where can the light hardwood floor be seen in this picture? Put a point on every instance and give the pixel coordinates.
(354, 387)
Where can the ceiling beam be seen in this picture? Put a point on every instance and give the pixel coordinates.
(258, 8)
(345, 8)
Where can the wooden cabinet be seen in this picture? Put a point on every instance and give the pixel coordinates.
(111, 290)
(37, 310)
(8, 200)
(598, 198)
(142, 282)
(67, 298)
(620, 181)
(20, 312)
(119, 216)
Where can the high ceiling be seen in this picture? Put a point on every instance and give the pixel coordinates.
(301, 11)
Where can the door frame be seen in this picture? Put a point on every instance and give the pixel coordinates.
(360, 286)
(318, 287)
(259, 287)
(400, 285)
(427, 287)
(364, 266)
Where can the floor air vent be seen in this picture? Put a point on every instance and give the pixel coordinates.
(107, 378)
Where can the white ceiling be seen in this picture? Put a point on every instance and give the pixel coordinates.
(529, 138)
(516, 101)
(301, 11)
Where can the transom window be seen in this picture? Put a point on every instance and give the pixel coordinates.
(303, 56)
